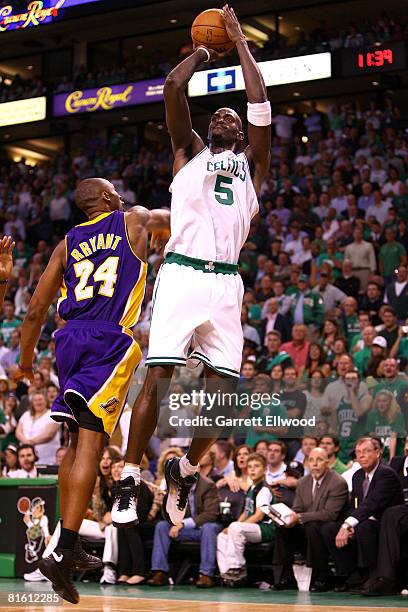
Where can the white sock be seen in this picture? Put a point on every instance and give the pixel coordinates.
(186, 469)
(133, 470)
(52, 544)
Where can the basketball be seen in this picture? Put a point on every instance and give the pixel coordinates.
(23, 505)
(208, 29)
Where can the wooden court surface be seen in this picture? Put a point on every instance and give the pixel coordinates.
(108, 603)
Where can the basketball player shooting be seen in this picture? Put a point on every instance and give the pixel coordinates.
(101, 270)
(198, 293)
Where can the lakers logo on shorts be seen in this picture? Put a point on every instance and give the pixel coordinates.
(111, 405)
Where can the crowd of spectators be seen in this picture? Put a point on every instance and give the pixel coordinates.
(131, 68)
(324, 324)
(228, 510)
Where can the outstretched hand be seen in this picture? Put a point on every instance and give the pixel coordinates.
(232, 24)
(7, 245)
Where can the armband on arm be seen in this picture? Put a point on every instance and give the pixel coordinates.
(259, 113)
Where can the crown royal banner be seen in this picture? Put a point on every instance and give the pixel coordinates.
(108, 97)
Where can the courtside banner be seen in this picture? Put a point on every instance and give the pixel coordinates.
(274, 72)
(23, 111)
(108, 97)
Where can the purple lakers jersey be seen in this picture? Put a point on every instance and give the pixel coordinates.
(103, 280)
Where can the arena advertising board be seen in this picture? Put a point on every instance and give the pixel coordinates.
(275, 72)
(35, 13)
(108, 97)
(23, 111)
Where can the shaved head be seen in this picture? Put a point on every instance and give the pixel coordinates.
(225, 129)
(97, 194)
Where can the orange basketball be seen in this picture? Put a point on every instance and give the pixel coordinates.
(23, 504)
(208, 29)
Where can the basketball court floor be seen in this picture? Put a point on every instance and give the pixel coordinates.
(114, 598)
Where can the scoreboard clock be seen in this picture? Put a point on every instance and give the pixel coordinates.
(374, 60)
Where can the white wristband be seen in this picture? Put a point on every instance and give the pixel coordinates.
(259, 113)
(207, 52)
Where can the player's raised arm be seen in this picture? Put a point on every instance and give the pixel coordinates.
(259, 111)
(44, 294)
(178, 116)
(141, 221)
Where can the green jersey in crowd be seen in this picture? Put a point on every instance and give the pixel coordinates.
(260, 495)
(379, 426)
(350, 428)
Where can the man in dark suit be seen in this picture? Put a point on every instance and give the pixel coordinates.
(199, 526)
(396, 293)
(275, 321)
(400, 465)
(354, 545)
(352, 212)
(347, 282)
(393, 543)
(320, 497)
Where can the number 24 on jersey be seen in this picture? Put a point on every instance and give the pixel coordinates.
(106, 274)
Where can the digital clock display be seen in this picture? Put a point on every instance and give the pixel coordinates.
(377, 58)
(374, 60)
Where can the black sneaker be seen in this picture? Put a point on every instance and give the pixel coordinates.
(178, 488)
(124, 509)
(59, 569)
(83, 561)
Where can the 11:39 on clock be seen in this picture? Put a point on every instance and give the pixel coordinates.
(375, 58)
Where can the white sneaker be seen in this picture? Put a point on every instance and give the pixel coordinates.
(36, 576)
(124, 509)
(108, 576)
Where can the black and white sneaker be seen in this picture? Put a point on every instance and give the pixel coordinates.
(59, 569)
(178, 488)
(124, 509)
(83, 561)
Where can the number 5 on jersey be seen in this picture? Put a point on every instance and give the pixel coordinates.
(223, 195)
(105, 274)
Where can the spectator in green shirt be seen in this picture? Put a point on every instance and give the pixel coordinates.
(350, 320)
(393, 381)
(385, 421)
(362, 357)
(391, 255)
(400, 346)
(331, 445)
(252, 526)
(9, 322)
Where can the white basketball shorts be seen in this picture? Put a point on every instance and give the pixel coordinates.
(196, 316)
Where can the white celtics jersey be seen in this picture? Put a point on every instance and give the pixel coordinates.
(213, 202)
